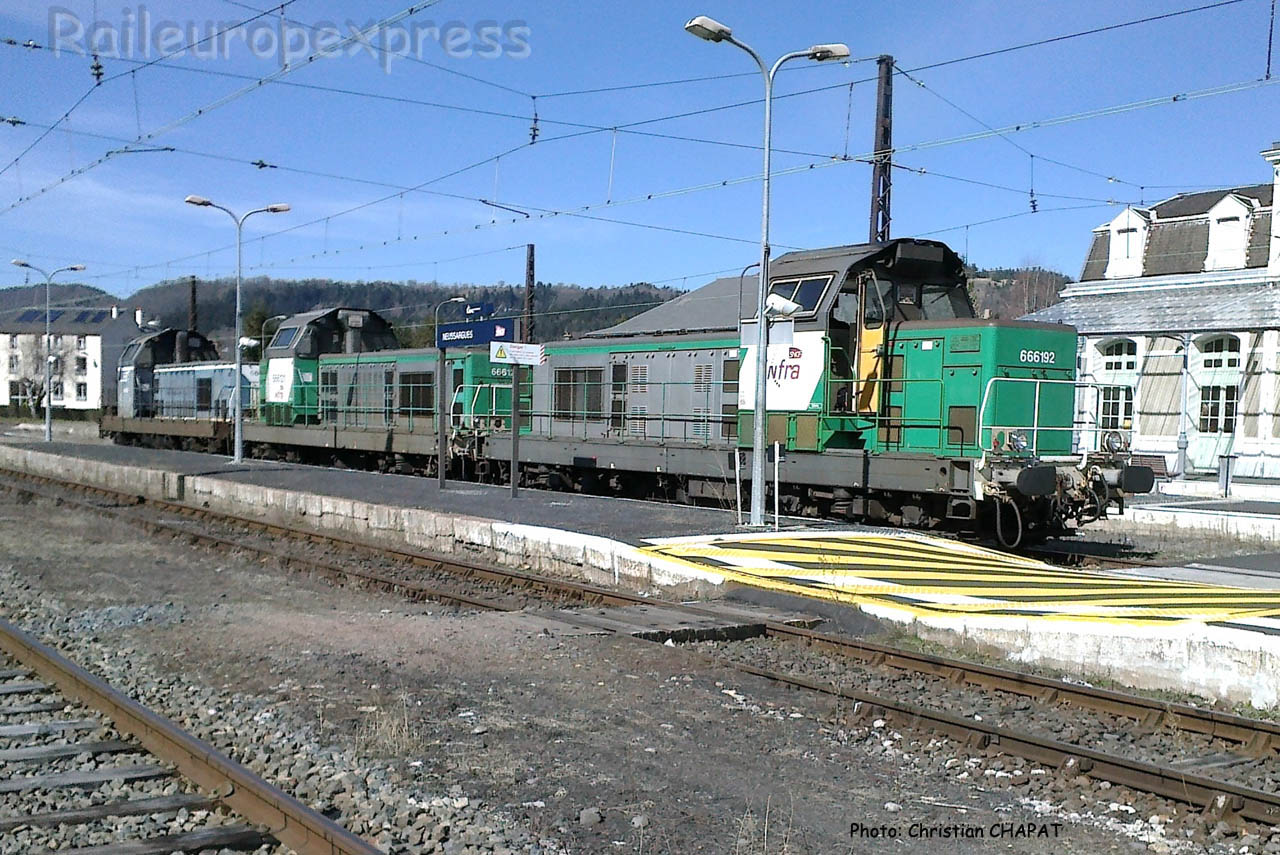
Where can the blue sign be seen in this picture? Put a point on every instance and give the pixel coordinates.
(479, 310)
(475, 334)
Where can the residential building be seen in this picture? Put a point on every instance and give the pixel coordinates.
(85, 345)
(1178, 312)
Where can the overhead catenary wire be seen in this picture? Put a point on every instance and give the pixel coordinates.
(141, 65)
(921, 146)
(469, 109)
(630, 127)
(953, 61)
(233, 96)
(1039, 124)
(392, 55)
(1084, 170)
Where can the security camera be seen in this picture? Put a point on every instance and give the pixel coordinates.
(781, 306)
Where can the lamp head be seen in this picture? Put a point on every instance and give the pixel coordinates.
(280, 208)
(18, 262)
(780, 306)
(76, 268)
(456, 300)
(822, 53)
(198, 201)
(708, 29)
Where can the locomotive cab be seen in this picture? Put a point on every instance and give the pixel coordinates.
(883, 355)
(290, 390)
(135, 372)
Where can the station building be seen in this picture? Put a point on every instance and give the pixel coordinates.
(1178, 311)
(85, 346)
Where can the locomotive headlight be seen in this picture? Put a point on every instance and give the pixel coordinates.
(1114, 442)
(1018, 440)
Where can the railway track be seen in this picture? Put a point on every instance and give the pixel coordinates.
(48, 756)
(1242, 739)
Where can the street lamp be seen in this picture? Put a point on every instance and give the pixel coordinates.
(48, 339)
(442, 418)
(201, 202)
(714, 31)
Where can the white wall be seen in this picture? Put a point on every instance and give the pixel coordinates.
(91, 378)
(1128, 241)
(1257, 451)
(1228, 234)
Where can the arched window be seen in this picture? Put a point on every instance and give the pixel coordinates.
(1120, 355)
(1221, 352)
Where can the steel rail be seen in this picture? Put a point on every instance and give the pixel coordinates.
(1220, 798)
(1259, 737)
(292, 823)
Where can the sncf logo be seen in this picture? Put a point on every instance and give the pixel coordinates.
(794, 353)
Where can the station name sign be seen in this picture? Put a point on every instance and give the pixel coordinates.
(475, 333)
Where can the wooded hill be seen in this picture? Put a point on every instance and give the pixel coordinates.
(560, 309)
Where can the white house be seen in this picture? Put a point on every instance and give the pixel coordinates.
(85, 344)
(1178, 311)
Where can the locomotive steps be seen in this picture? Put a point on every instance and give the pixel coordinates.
(1229, 651)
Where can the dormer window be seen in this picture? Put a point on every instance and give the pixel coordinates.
(1127, 244)
(1221, 352)
(1228, 234)
(1120, 356)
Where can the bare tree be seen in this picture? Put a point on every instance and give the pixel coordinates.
(29, 373)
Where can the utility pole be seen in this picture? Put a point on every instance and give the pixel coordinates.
(528, 295)
(882, 159)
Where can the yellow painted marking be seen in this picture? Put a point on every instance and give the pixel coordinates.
(928, 576)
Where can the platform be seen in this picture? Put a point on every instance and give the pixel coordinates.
(930, 577)
(630, 521)
(1187, 633)
(1238, 517)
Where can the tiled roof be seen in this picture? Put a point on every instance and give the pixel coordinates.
(714, 306)
(1179, 247)
(1259, 241)
(1217, 307)
(1095, 266)
(73, 321)
(1198, 204)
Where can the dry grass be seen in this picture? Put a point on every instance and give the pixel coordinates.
(389, 732)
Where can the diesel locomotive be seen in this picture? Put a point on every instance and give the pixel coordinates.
(887, 401)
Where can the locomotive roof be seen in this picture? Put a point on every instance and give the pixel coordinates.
(718, 305)
(303, 318)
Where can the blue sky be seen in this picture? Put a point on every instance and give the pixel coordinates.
(126, 221)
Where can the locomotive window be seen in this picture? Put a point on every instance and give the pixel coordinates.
(204, 394)
(879, 300)
(417, 391)
(806, 291)
(284, 337)
(846, 309)
(579, 394)
(945, 302)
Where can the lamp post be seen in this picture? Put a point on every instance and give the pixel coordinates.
(442, 417)
(201, 202)
(711, 30)
(48, 339)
